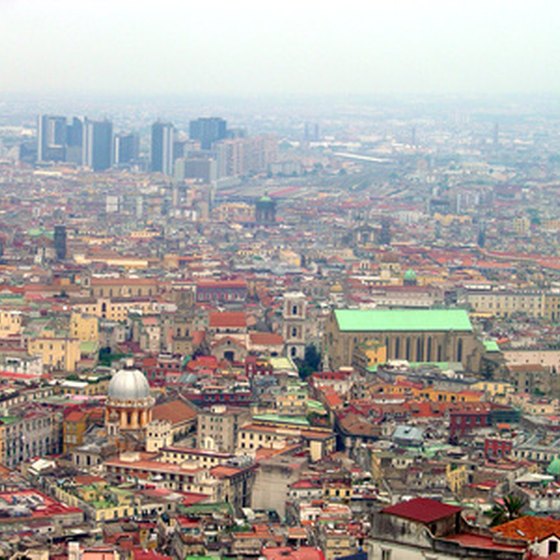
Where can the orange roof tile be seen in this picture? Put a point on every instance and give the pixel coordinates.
(175, 411)
(227, 319)
(529, 528)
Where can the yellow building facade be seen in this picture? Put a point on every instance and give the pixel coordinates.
(10, 322)
(84, 327)
(113, 309)
(59, 353)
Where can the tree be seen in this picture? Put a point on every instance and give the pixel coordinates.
(511, 509)
(310, 363)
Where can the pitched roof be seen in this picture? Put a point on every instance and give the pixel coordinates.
(227, 319)
(422, 510)
(175, 411)
(266, 339)
(529, 528)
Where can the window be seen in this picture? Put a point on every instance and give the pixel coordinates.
(385, 554)
(419, 350)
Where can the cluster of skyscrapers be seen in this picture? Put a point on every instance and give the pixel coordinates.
(84, 142)
(212, 151)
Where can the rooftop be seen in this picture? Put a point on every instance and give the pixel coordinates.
(422, 510)
(388, 320)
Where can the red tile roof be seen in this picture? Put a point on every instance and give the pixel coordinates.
(470, 540)
(422, 510)
(148, 555)
(227, 319)
(75, 416)
(529, 528)
(266, 339)
(221, 284)
(287, 553)
(175, 411)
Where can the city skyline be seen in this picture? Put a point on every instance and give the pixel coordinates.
(300, 317)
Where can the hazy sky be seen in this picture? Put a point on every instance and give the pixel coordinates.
(280, 47)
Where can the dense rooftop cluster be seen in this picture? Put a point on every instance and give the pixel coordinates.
(349, 349)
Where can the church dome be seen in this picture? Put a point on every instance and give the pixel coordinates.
(129, 385)
(410, 275)
(265, 198)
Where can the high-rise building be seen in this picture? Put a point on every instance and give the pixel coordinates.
(162, 148)
(311, 132)
(60, 242)
(241, 156)
(51, 138)
(127, 148)
(74, 140)
(97, 145)
(202, 168)
(180, 149)
(208, 130)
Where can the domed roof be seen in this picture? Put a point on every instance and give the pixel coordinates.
(410, 274)
(129, 385)
(265, 198)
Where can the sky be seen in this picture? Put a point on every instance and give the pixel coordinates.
(268, 47)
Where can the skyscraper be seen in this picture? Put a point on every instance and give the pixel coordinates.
(126, 148)
(51, 138)
(74, 139)
(311, 132)
(208, 130)
(97, 145)
(162, 148)
(60, 242)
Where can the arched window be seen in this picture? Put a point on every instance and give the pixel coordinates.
(407, 348)
(460, 350)
(397, 347)
(439, 353)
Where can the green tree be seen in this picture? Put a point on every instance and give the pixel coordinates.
(511, 509)
(310, 363)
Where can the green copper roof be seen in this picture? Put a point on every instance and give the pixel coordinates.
(88, 347)
(389, 320)
(265, 198)
(410, 274)
(491, 346)
(554, 467)
(280, 419)
(38, 232)
(207, 508)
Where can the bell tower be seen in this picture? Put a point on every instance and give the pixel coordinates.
(294, 315)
